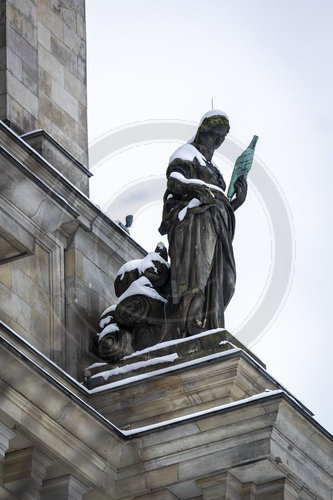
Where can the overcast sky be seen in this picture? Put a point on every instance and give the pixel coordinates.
(268, 65)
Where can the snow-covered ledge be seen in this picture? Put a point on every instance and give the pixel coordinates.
(176, 379)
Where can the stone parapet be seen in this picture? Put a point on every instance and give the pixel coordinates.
(177, 378)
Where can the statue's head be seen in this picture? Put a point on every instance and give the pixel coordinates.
(215, 124)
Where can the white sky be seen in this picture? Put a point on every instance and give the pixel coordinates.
(268, 65)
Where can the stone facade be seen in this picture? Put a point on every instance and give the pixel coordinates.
(196, 418)
(54, 442)
(43, 70)
(57, 276)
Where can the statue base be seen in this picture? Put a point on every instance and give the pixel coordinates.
(176, 378)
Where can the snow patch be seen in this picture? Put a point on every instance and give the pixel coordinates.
(95, 365)
(193, 203)
(180, 177)
(224, 342)
(141, 264)
(161, 371)
(197, 414)
(104, 321)
(188, 152)
(141, 286)
(108, 329)
(170, 358)
(213, 112)
(169, 343)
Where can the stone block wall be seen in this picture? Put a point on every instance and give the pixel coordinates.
(26, 298)
(59, 255)
(90, 267)
(54, 298)
(43, 70)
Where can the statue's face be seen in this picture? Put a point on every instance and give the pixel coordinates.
(212, 132)
(220, 132)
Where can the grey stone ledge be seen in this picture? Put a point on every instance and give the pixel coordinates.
(42, 132)
(39, 182)
(88, 212)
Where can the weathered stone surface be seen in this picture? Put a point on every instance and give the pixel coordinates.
(75, 448)
(264, 448)
(269, 447)
(22, 94)
(162, 476)
(51, 20)
(14, 64)
(44, 36)
(158, 495)
(223, 486)
(64, 487)
(6, 434)
(55, 154)
(24, 25)
(41, 43)
(20, 46)
(209, 456)
(18, 114)
(24, 471)
(76, 88)
(51, 65)
(37, 290)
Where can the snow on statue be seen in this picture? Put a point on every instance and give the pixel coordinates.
(156, 303)
(200, 223)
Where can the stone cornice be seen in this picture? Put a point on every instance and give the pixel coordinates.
(80, 395)
(87, 214)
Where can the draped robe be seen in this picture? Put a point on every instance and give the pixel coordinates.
(200, 238)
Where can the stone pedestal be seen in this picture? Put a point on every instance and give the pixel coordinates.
(209, 422)
(259, 445)
(177, 378)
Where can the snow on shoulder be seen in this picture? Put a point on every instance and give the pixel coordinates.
(188, 152)
(181, 178)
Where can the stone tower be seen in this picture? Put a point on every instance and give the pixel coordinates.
(43, 70)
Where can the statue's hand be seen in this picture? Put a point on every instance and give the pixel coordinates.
(241, 189)
(241, 192)
(205, 195)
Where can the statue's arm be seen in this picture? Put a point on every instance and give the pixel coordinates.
(181, 184)
(241, 192)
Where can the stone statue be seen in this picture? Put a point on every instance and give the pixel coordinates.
(200, 223)
(156, 302)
